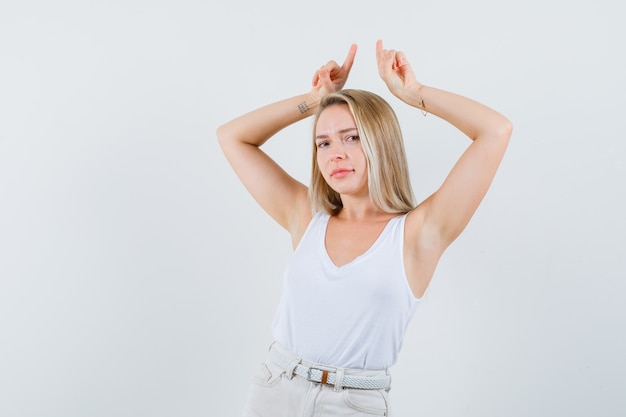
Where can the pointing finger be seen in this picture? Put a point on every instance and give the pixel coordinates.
(347, 64)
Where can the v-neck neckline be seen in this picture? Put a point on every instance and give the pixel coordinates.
(357, 259)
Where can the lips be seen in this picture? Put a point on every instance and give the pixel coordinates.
(340, 172)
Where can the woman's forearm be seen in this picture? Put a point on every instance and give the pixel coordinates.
(257, 126)
(470, 117)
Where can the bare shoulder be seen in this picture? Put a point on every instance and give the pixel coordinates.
(419, 232)
(301, 220)
(422, 249)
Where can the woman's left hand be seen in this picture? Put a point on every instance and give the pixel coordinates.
(396, 72)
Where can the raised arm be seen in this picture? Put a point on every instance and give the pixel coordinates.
(279, 194)
(444, 215)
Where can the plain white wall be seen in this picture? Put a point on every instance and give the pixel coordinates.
(138, 278)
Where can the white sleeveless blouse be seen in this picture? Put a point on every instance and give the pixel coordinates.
(353, 316)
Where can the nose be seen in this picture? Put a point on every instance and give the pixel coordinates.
(338, 154)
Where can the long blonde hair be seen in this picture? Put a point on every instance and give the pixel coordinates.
(380, 136)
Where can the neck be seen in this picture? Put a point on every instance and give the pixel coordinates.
(361, 210)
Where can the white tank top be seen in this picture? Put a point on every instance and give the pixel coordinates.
(353, 316)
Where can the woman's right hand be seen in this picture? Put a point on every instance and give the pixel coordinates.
(331, 77)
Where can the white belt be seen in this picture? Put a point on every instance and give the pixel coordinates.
(322, 376)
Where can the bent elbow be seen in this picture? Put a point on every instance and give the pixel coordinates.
(505, 130)
(219, 133)
(223, 136)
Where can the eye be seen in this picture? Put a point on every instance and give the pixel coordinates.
(352, 138)
(322, 144)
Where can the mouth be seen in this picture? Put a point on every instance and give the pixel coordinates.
(340, 172)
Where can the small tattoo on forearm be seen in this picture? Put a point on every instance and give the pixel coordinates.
(303, 107)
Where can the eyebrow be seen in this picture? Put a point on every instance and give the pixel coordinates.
(346, 130)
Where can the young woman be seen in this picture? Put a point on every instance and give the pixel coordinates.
(364, 252)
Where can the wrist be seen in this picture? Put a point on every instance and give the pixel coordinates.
(414, 96)
(421, 104)
(308, 103)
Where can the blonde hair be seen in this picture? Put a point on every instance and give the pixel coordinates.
(381, 139)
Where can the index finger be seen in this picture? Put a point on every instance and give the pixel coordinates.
(379, 47)
(347, 64)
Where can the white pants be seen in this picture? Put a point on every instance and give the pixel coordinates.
(277, 392)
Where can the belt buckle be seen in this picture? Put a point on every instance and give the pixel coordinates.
(323, 380)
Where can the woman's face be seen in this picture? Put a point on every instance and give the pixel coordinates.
(340, 156)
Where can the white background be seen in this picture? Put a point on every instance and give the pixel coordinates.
(138, 278)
